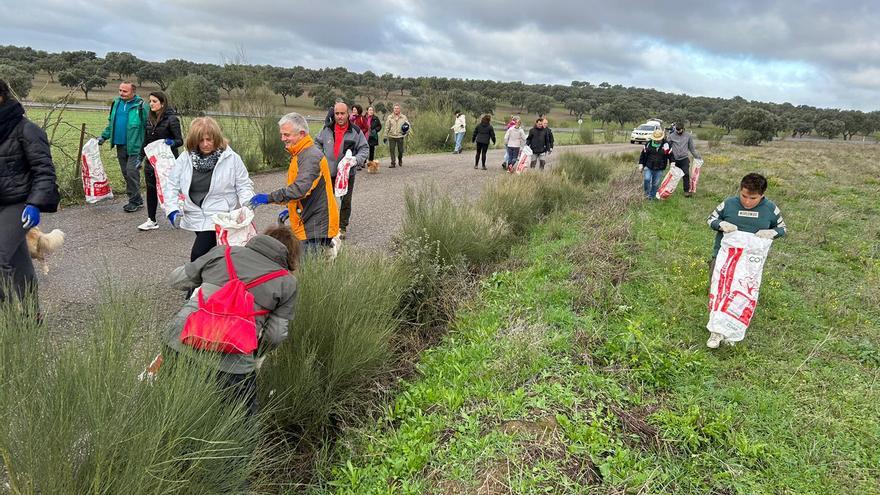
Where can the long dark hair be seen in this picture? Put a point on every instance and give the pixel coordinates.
(5, 93)
(163, 99)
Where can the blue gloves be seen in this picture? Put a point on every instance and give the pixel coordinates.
(169, 142)
(283, 216)
(30, 217)
(259, 199)
(174, 219)
(101, 141)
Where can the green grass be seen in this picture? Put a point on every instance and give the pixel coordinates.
(584, 369)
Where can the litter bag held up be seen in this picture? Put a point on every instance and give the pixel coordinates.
(95, 184)
(695, 174)
(340, 189)
(162, 159)
(235, 228)
(525, 154)
(736, 282)
(670, 182)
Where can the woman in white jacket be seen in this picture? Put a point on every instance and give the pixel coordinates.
(209, 178)
(514, 139)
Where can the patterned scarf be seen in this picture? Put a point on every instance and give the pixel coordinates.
(205, 163)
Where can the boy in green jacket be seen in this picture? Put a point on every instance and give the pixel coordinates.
(748, 211)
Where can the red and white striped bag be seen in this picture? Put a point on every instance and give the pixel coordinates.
(695, 174)
(525, 155)
(736, 283)
(670, 182)
(96, 186)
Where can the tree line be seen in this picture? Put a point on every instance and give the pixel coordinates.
(198, 86)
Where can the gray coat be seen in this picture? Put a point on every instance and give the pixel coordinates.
(353, 140)
(262, 255)
(681, 145)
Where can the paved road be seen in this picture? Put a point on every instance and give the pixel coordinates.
(104, 246)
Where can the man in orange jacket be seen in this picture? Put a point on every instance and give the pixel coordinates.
(311, 205)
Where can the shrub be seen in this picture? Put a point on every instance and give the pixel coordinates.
(77, 420)
(586, 133)
(429, 132)
(584, 169)
(462, 232)
(523, 200)
(193, 94)
(748, 137)
(339, 340)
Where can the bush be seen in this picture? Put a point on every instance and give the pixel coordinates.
(462, 232)
(584, 169)
(586, 133)
(77, 420)
(429, 132)
(193, 94)
(713, 136)
(339, 341)
(748, 137)
(523, 200)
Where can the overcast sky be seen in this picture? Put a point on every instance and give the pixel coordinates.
(825, 54)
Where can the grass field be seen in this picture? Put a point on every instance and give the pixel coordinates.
(581, 368)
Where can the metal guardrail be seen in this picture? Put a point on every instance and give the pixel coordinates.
(103, 108)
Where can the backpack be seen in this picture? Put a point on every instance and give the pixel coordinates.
(225, 322)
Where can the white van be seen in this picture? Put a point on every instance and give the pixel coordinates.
(642, 133)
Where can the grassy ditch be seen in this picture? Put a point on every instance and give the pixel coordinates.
(582, 368)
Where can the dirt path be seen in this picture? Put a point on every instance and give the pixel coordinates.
(104, 246)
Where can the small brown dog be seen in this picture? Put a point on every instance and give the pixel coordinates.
(373, 166)
(40, 244)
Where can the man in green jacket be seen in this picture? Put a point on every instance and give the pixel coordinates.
(125, 129)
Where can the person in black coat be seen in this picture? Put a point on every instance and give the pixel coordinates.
(375, 124)
(652, 162)
(483, 133)
(539, 142)
(27, 188)
(162, 124)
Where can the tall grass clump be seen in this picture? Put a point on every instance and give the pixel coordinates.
(429, 132)
(339, 341)
(77, 420)
(586, 132)
(584, 169)
(524, 200)
(461, 231)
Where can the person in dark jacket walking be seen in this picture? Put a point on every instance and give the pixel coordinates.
(125, 130)
(162, 124)
(27, 188)
(275, 250)
(652, 162)
(374, 123)
(549, 135)
(483, 133)
(539, 142)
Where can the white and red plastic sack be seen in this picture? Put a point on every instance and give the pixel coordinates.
(96, 186)
(695, 174)
(162, 159)
(525, 154)
(670, 182)
(340, 188)
(736, 283)
(235, 228)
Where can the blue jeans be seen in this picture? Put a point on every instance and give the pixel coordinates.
(459, 137)
(512, 155)
(652, 182)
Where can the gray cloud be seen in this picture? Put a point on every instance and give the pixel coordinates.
(802, 52)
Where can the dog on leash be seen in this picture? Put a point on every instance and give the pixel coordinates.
(373, 166)
(40, 244)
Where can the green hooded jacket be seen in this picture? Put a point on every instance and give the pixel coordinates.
(137, 123)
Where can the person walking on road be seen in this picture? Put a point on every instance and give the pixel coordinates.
(514, 139)
(27, 188)
(682, 143)
(311, 205)
(549, 135)
(396, 128)
(162, 125)
(126, 127)
(652, 162)
(483, 133)
(212, 179)
(459, 128)
(539, 142)
(374, 124)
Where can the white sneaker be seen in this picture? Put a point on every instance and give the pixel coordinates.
(148, 225)
(714, 340)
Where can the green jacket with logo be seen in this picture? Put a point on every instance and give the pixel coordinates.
(765, 215)
(137, 123)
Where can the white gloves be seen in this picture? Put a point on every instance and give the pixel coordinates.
(727, 227)
(641, 167)
(766, 233)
